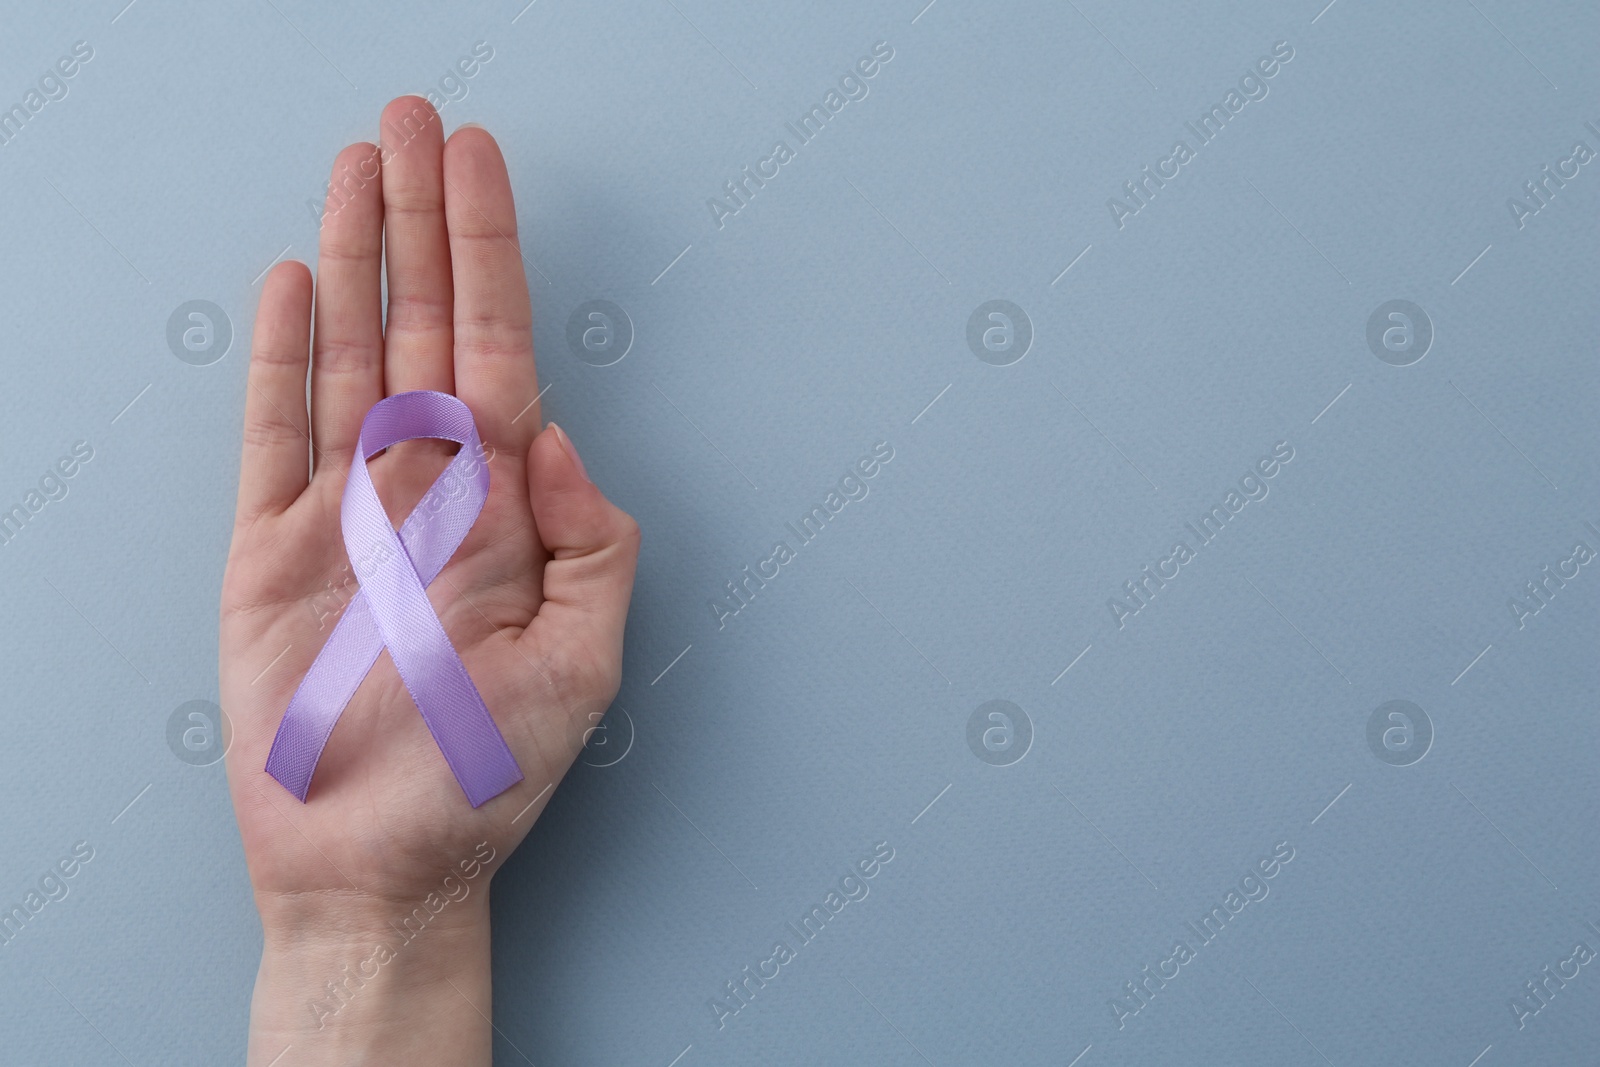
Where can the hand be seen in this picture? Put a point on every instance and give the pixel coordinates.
(534, 600)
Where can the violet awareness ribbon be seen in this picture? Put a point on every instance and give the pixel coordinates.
(391, 610)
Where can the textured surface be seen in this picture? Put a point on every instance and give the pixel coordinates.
(1172, 344)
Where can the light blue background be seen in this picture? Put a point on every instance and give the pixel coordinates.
(826, 316)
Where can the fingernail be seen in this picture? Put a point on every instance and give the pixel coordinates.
(470, 125)
(572, 452)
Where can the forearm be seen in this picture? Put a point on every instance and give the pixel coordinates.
(352, 984)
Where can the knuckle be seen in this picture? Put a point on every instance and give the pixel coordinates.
(337, 354)
(418, 311)
(268, 433)
(482, 238)
(347, 250)
(276, 354)
(498, 348)
(414, 201)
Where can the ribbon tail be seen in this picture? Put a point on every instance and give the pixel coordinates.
(333, 679)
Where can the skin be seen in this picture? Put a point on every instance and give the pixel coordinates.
(534, 601)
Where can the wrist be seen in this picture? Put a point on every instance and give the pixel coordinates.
(353, 979)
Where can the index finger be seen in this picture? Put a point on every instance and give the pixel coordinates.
(493, 316)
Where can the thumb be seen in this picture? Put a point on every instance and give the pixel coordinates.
(594, 548)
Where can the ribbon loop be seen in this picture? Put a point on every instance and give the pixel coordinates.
(392, 611)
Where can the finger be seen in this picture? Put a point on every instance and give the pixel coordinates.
(493, 317)
(594, 549)
(347, 352)
(417, 341)
(274, 467)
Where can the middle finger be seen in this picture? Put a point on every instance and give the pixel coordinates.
(418, 336)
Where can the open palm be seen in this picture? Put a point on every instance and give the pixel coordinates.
(534, 599)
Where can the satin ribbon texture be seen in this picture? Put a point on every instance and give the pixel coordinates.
(391, 610)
